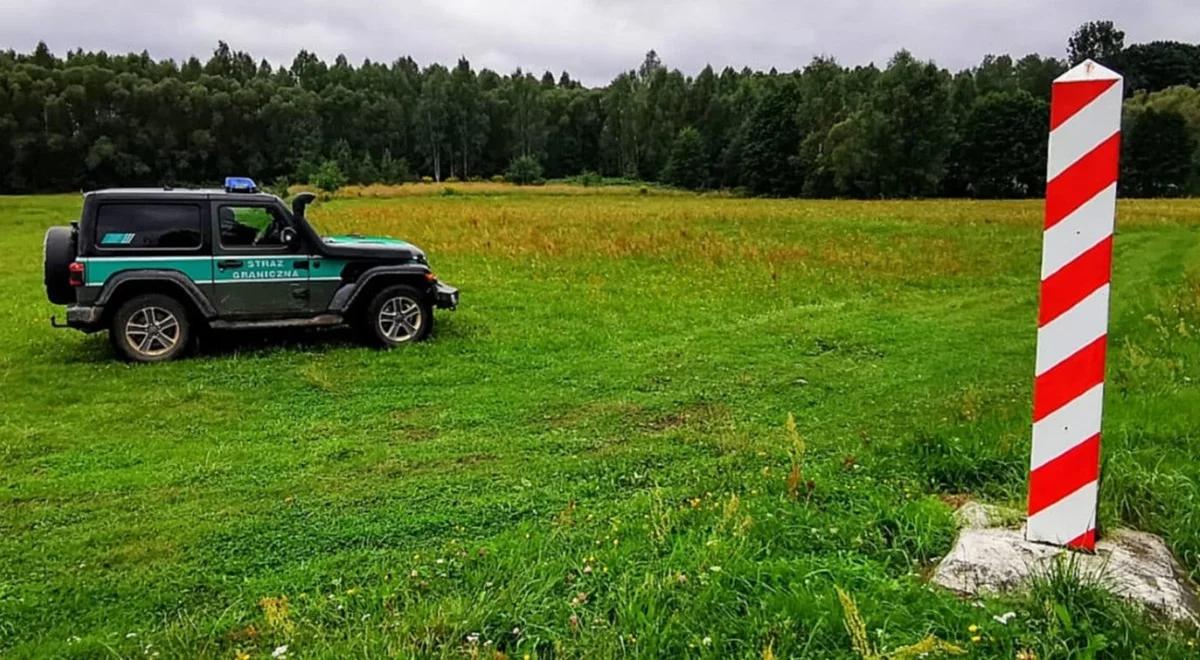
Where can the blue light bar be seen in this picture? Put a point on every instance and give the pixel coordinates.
(240, 184)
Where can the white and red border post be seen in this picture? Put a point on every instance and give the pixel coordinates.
(1081, 194)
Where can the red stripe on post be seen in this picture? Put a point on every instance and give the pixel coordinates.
(1063, 289)
(1069, 378)
(1064, 474)
(1083, 180)
(1085, 541)
(1066, 99)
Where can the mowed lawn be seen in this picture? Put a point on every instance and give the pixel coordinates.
(591, 457)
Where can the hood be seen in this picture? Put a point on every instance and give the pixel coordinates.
(373, 244)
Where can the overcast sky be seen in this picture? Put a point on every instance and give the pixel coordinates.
(592, 39)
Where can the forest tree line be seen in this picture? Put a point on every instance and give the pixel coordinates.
(908, 129)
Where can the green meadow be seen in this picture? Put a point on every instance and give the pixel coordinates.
(592, 456)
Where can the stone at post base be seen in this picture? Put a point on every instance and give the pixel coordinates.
(1133, 565)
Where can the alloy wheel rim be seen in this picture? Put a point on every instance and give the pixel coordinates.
(400, 319)
(152, 331)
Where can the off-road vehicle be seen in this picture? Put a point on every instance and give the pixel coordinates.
(156, 266)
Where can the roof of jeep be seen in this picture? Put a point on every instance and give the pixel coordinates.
(177, 193)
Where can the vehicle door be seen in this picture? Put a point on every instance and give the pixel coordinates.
(256, 274)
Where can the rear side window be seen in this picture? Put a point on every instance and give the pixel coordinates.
(174, 226)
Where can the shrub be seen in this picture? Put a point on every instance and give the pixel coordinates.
(426, 179)
(306, 169)
(393, 170)
(498, 178)
(524, 170)
(453, 179)
(279, 187)
(329, 177)
(365, 172)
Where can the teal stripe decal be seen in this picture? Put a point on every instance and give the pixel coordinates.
(99, 270)
(116, 239)
(201, 270)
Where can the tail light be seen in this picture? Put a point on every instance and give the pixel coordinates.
(75, 273)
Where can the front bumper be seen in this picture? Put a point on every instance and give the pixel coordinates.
(445, 296)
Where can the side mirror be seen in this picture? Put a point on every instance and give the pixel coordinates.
(289, 237)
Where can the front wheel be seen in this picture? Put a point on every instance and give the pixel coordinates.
(150, 328)
(398, 315)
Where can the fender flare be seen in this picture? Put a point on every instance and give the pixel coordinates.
(345, 297)
(197, 297)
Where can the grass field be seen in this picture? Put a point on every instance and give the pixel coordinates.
(591, 457)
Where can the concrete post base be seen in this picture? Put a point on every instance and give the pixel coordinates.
(1133, 565)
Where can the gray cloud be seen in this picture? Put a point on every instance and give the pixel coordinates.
(592, 39)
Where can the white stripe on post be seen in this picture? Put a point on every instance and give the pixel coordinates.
(1067, 427)
(1087, 226)
(1077, 327)
(1081, 183)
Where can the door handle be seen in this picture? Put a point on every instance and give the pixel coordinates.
(230, 263)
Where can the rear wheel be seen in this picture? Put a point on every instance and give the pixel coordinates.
(398, 315)
(153, 327)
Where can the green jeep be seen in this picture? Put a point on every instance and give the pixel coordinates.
(155, 266)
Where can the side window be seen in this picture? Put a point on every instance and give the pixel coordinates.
(170, 226)
(250, 226)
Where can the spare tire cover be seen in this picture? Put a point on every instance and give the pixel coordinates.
(59, 252)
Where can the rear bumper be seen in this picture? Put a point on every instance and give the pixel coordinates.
(87, 318)
(445, 296)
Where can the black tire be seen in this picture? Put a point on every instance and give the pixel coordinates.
(159, 314)
(58, 251)
(409, 312)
